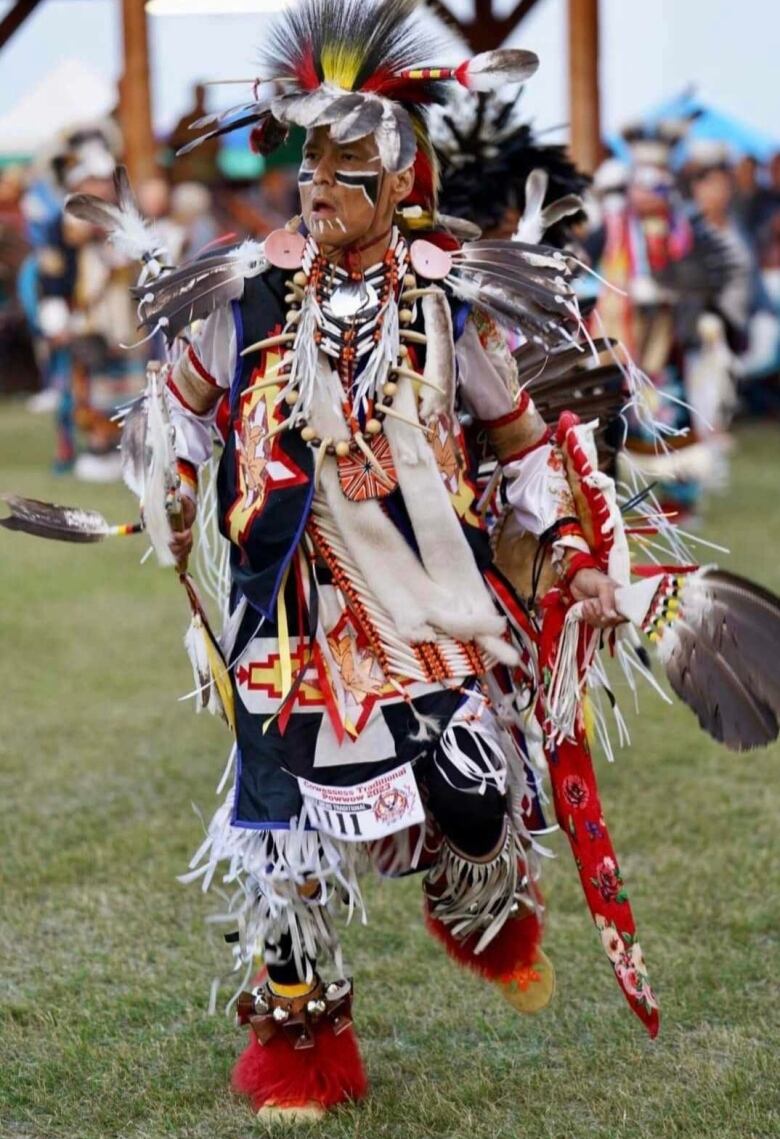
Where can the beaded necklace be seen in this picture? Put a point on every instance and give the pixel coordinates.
(358, 323)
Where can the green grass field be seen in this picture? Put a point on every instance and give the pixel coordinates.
(105, 962)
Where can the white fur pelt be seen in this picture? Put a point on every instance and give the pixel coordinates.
(439, 358)
(445, 552)
(446, 592)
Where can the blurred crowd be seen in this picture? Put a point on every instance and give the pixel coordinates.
(684, 237)
(68, 330)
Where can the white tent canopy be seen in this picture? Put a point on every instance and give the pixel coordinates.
(70, 94)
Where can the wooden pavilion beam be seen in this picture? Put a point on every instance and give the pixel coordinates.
(486, 30)
(14, 18)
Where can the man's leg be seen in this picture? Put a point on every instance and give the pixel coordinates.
(480, 900)
(302, 1057)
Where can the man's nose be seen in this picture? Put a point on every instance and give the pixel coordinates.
(323, 172)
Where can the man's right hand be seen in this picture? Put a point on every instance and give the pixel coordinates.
(181, 541)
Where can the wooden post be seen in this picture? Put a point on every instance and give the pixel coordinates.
(584, 100)
(135, 103)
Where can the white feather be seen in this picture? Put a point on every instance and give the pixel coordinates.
(160, 462)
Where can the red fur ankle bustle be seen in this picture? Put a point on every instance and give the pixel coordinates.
(279, 1075)
(514, 947)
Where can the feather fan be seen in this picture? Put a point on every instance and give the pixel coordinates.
(716, 635)
(523, 286)
(195, 290)
(567, 379)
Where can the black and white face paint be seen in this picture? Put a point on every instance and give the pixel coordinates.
(340, 192)
(367, 181)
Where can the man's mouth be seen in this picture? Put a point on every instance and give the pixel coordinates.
(325, 218)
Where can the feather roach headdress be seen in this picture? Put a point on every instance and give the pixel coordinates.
(486, 154)
(359, 67)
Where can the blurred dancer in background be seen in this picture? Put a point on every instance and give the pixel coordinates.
(668, 270)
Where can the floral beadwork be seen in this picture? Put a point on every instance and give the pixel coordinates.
(609, 881)
(625, 953)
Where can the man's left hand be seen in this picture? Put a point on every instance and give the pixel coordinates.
(597, 592)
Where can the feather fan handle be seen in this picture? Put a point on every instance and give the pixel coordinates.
(214, 691)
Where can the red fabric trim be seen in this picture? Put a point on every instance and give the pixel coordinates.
(527, 450)
(654, 570)
(222, 420)
(578, 562)
(204, 375)
(511, 416)
(188, 406)
(187, 471)
(597, 503)
(566, 420)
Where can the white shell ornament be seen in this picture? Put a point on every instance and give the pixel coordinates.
(429, 261)
(284, 249)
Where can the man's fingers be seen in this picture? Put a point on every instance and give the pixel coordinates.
(606, 590)
(181, 542)
(591, 612)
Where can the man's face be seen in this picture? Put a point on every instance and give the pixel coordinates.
(346, 196)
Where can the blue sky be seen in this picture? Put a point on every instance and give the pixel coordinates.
(650, 50)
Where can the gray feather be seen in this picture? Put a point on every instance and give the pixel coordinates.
(710, 685)
(364, 120)
(407, 148)
(545, 293)
(132, 448)
(216, 117)
(190, 293)
(94, 211)
(245, 121)
(743, 621)
(339, 107)
(562, 208)
(492, 69)
(301, 110)
(46, 520)
(125, 195)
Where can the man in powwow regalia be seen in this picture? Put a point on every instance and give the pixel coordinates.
(385, 671)
(421, 565)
